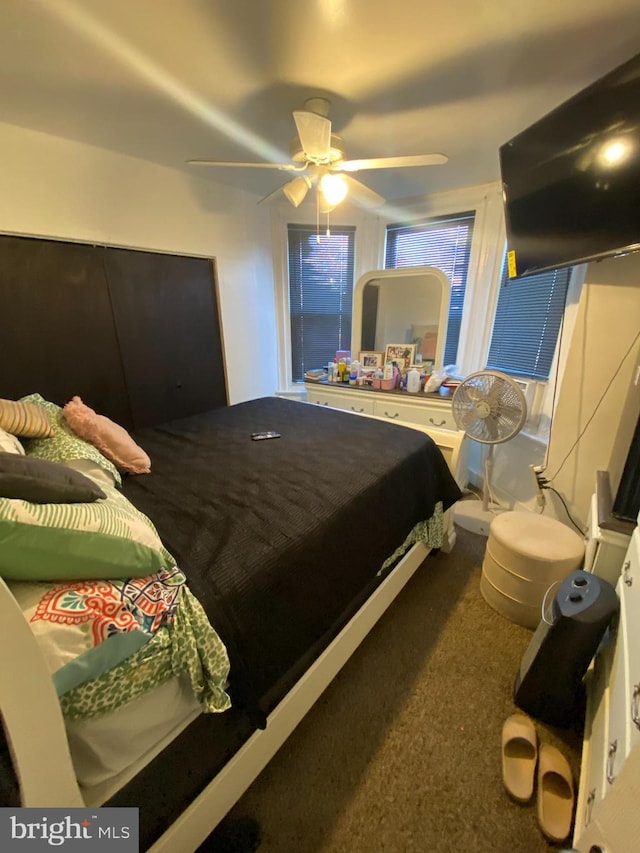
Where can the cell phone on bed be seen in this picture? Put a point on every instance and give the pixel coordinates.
(259, 436)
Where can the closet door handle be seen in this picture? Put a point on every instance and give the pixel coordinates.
(613, 748)
(392, 416)
(442, 423)
(628, 577)
(635, 706)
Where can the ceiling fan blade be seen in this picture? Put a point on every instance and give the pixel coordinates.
(283, 167)
(315, 134)
(393, 162)
(361, 193)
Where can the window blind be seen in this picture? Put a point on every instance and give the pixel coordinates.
(444, 243)
(527, 322)
(320, 295)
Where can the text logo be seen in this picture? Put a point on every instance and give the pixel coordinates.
(73, 830)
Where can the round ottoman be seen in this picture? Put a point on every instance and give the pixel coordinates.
(526, 555)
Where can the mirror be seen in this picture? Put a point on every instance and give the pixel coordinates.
(407, 305)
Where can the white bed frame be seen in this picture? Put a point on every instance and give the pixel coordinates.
(37, 737)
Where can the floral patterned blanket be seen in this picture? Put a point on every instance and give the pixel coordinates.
(106, 642)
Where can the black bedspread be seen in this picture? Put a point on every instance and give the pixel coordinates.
(281, 540)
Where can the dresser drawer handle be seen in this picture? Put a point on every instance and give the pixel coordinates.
(635, 706)
(628, 577)
(613, 748)
(318, 403)
(396, 415)
(442, 423)
(353, 409)
(590, 801)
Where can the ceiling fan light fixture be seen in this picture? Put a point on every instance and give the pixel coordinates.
(333, 188)
(297, 189)
(323, 205)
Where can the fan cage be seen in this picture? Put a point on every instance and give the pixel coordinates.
(489, 406)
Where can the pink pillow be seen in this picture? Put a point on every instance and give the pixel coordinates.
(112, 441)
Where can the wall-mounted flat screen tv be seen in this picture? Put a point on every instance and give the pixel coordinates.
(571, 181)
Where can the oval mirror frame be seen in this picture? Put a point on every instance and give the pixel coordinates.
(436, 286)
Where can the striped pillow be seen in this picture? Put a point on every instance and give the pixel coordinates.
(24, 419)
(105, 539)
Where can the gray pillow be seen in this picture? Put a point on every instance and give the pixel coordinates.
(42, 482)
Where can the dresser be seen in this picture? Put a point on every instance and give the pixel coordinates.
(608, 807)
(429, 410)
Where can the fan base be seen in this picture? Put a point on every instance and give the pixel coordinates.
(472, 517)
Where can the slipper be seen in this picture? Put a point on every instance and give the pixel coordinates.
(555, 793)
(519, 756)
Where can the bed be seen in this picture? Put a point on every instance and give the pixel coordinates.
(291, 549)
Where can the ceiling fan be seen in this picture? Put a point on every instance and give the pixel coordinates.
(318, 159)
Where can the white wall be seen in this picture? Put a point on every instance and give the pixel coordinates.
(599, 398)
(53, 187)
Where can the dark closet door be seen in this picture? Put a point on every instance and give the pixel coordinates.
(166, 313)
(56, 328)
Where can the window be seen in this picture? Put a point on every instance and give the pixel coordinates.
(320, 295)
(444, 243)
(527, 322)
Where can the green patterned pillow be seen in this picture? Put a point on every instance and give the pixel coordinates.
(63, 444)
(106, 539)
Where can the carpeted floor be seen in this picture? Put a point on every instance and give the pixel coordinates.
(402, 752)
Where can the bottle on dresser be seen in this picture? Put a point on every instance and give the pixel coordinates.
(413, 381)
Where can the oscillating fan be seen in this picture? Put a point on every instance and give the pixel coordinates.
(491, 409)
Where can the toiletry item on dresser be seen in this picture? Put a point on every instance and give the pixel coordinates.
(413, 381)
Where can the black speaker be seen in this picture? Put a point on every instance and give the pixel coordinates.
(549, 685)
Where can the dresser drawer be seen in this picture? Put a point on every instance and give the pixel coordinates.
(319, 398)
(629, 592)
(425, 415)
(593, 781)
(617, 735)
(438, 418)
(357, 404)
(340, 400)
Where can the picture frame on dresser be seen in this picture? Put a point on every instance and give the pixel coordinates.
(369, 360)
(403, 354)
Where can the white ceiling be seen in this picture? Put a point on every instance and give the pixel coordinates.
(169, 80)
